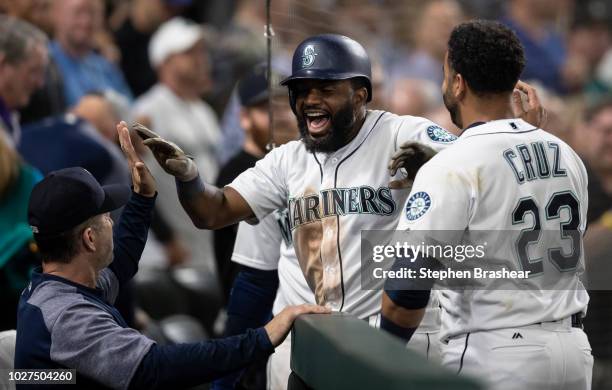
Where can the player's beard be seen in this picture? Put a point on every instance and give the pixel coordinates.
(453, 109)
(340, 132)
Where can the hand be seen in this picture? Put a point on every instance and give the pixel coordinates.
(142, 180)
(169, 156)
(411, 156)
(281, 324)
(535, 114)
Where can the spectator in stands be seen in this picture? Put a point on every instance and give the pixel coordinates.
(17, 253)
(48, 100)
(75, 139)
(174, 109)
(431, 31)
(415, 97)
(596, 148)
(32, 11)
(253, 94)
(241, 46)
(134, 35)
(76, 23)
(545, 49)
(23, 59)
(587, 43)
(597, 154)
(66, 317)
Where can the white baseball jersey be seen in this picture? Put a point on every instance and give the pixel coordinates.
(507, 175)
(332, 197)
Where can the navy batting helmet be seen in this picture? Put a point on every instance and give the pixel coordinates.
(330, 57)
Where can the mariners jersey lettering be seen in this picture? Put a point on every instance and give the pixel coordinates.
(340, 201)
(506, 175)
(331, 197)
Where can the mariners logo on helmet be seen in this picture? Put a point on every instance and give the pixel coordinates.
(417, 205)
(308, 58)
(438, 134)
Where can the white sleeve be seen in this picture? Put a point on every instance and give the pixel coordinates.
(263, 186)
(440, 199)
(413, 128)
(258, 246)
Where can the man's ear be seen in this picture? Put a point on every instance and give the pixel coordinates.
(360, 96)
(88, 238)
(459, 86)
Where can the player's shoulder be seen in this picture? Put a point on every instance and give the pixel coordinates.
(550, 137)
(287, 155)
(292, 148)
(404, 128)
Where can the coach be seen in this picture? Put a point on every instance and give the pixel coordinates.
(66, 317)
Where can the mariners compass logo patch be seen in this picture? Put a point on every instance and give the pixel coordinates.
(417, 205)
(438, 134)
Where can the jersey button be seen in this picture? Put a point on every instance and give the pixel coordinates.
(334, 160)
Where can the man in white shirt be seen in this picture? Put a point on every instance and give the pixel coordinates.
(174, 108)
(523, 193)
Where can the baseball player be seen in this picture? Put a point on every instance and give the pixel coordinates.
(334, 182)
(503, 174)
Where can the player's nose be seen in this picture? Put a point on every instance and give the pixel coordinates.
(313, 96)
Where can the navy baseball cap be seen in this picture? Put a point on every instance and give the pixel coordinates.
(68, 197)
(253, 86)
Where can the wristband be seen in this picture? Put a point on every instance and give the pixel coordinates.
(191, 188)
(396, 330)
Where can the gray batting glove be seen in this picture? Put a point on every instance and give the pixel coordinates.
(169, 156)
(411, 156)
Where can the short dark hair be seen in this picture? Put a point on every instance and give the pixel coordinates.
(487, 54)
(63, 247)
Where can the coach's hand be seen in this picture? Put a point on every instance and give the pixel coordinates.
(142, 180)
(526, 105)
(281, 324)
(411, 156)
(169, 156)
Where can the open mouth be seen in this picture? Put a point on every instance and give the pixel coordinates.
(318, 122)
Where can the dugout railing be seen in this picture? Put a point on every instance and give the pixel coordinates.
(339, 351)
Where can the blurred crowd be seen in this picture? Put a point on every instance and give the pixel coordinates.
(79, 66)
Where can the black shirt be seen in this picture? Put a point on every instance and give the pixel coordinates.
(134, 45)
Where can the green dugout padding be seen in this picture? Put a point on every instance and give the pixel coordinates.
(339, 351)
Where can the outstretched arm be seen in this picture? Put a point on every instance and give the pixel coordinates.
(186, 365)
(130, 234)
(208, 207)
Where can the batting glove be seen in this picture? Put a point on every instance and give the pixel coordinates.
(169, 156)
